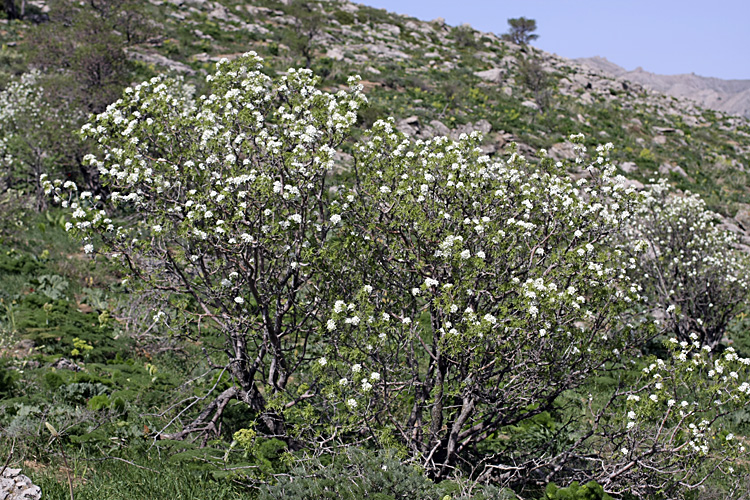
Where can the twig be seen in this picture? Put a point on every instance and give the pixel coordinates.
(56, 436)
(12, 449)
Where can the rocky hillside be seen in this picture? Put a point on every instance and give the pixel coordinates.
(434, 78)
(730, 96)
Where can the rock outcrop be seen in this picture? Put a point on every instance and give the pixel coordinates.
(16, 486)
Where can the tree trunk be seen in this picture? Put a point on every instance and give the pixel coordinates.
(10, 9)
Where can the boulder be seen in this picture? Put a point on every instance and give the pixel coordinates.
(494, 75)
(66, 364)
(390, 28)
(408, 126)
(727, 225)
(666, 169)
(668, 130)
(440, 128)
(335, 53)
(743, 216)
(385, 52)
(562, 151)
(16, 486)
(503, 138)
(488, 149)
(632, 183)
(158, 60)
(482, 126)
(628, 167)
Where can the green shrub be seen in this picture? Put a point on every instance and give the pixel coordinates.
(7, 381)
(589, 491)
(344, 17)
(361, 473)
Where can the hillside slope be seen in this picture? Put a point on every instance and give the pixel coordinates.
(439, 79)
(730, 96)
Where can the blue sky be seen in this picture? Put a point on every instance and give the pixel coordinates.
(706, 37)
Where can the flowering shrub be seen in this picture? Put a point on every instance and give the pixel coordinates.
(483, 290)
(687, 265)
(671, 433)
(227, 196)
(31, 141)
(434, 301)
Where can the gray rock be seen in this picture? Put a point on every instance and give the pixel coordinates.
(495, 75)
(690, 120)
(335, 53)
(562, 151)
(727, 225)
(408, 126)
(440, 128)
(508, 61)
(488, 149)
(390, 28)
(666, 169)
(628, 167)
(16, 486)
(743, 216)
(200, 57)
(158, 60)
(66, 364)
(382, 50)
(668, 130)
(530, 104)
(255, 28)
(485, 56)
(482, 126)
(503, 138)
(348, 7)
(632, 183)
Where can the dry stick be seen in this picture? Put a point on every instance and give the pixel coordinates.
(56, 436)
(10, 456)
(67, 470)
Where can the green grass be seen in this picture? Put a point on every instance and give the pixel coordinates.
(117, 480)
